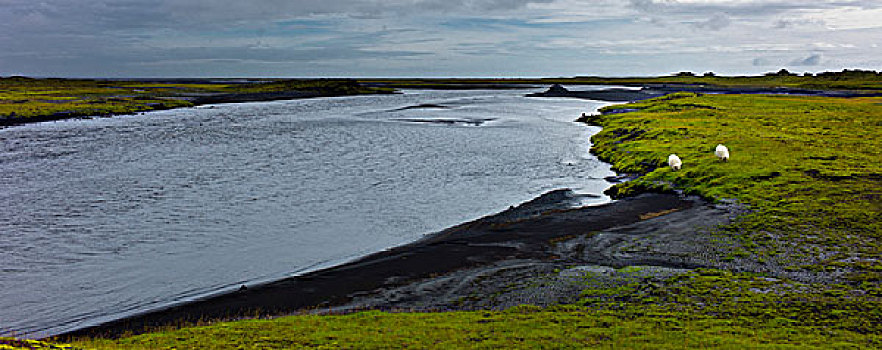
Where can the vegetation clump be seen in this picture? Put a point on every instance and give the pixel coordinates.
(29, 344)
(518, 328)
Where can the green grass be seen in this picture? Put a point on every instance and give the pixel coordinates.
(747, 299)
(24, 99)
(699, 309)
(523, 327)
(810, 168)
(12, 343)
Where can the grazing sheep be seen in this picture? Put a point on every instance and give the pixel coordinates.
(722, 152)
(675, 162)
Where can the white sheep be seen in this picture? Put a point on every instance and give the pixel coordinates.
(675, 162)
(722, 152)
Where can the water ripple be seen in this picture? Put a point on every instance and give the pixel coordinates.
(110, 216)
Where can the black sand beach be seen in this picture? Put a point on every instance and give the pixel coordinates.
(431, 274)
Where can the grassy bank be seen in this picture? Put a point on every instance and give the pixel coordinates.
(25, 100)
(700, 309)
(523, 327)
(808, 167)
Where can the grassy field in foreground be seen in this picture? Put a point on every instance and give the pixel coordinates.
(700, 309)
(524, 327)
(25, 99)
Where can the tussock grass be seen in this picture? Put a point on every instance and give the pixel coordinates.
(810, 169)
(518, 328)
(16, 344)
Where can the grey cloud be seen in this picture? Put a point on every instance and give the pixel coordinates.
(716, 22)
(782, 23)
(643, 5)
(790, 23)
(98, 15)
(467, 5)
(214, 10)
(745, 8)
(759, 62)
(205, 61)
(811, 60)
(226, 37)
(289, 54)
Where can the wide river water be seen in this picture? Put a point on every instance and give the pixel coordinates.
(107, 217)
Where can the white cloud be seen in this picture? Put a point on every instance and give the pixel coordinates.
(847, 18)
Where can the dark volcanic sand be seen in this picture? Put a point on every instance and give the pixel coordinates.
(441, 270)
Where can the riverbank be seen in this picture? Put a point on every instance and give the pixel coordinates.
(527, 235)
(790, 227)
(806, 166)
(27, 100)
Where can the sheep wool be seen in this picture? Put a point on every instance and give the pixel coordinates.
(722, 152)
(675, 162)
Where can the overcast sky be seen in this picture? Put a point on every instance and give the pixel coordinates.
(431, 38)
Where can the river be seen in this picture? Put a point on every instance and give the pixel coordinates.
(108, 217)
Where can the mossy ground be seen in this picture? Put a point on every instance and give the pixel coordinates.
(810, 169)
(22, 98)
(703, 308)
(25, 99)
(15, 344)
(522, 327)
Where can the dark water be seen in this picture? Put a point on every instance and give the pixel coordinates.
(106, 217)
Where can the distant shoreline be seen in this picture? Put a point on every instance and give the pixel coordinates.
(129, 96)
(651, 91)
(133, 97)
